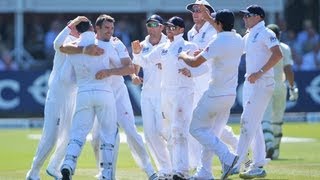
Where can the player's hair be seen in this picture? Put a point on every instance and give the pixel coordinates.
(83, 26)
(102, 18)
(225, 26)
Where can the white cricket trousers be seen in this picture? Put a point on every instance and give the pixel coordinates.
(255, 101)
(208, 121)
(64, 133)
(177, 107)
(58, 110)
(154, 129)
(200, 157)
(125, 119)
(99, 103)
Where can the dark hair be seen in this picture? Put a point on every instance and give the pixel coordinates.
(83, 26)
(227, 27)
(102, 18)
(225, 17)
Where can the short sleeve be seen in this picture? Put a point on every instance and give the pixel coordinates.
(211, 51)
(270, 39)
(121, 48)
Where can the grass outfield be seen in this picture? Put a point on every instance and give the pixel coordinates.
(300, 160)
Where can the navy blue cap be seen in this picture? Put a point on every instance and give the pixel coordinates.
(254, 9)
(175, 21)
(155, 18)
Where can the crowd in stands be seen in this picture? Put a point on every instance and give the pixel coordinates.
(39, 36)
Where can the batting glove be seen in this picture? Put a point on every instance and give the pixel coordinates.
(293, 93)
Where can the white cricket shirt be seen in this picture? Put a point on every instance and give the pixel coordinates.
(122, 52)
(258, 42)
(202, 39)
(151, 72)
(225, 52)
(167, 54)
(87, 66)
(59, 57)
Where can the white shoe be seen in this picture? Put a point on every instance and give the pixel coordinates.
(253, 172)
(154, 177)
(163, 176)
(247, 165)
(54, 173)
(226, 169)
(202, 174)
(98, 176)
(32, 176)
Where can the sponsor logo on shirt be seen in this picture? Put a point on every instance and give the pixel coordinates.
(144, 50)
(255, 38)
(273, 39)
(164, 52)
(179, 51)
(203, 36)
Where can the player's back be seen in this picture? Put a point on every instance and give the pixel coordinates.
(225, 62)
(87, 66)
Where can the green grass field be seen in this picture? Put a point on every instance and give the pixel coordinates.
(297, 160)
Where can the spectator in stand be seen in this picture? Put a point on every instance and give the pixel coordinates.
(34, 37)
(6, 61)
(311, 60)
(307, 38)
(122, 31)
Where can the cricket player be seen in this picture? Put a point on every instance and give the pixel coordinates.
(177, 91)
(59, 106)
(151, 98)
(94, 98)
(202, 33)
(213, 109)
(125, 116)
(262, 53)
(273, 116)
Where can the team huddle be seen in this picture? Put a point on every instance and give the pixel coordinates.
(188, 90)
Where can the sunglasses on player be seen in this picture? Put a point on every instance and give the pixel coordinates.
(249, 15)
(152, 24)
(196, 9)
(171, 28)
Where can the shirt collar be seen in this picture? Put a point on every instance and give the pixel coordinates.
(178, 38)
(162, 40)
(259, 25)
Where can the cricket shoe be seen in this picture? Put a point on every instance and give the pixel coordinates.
(66, 172)
(253, 172)
(227, 168)
(179, 176)
(202, 174)
(32, 176)
(247, 165)
(163, 176)
(154, 177)
(98, 176)
(54, 173)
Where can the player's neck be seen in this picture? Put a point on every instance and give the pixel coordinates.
(199, 25)
(154, 40)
